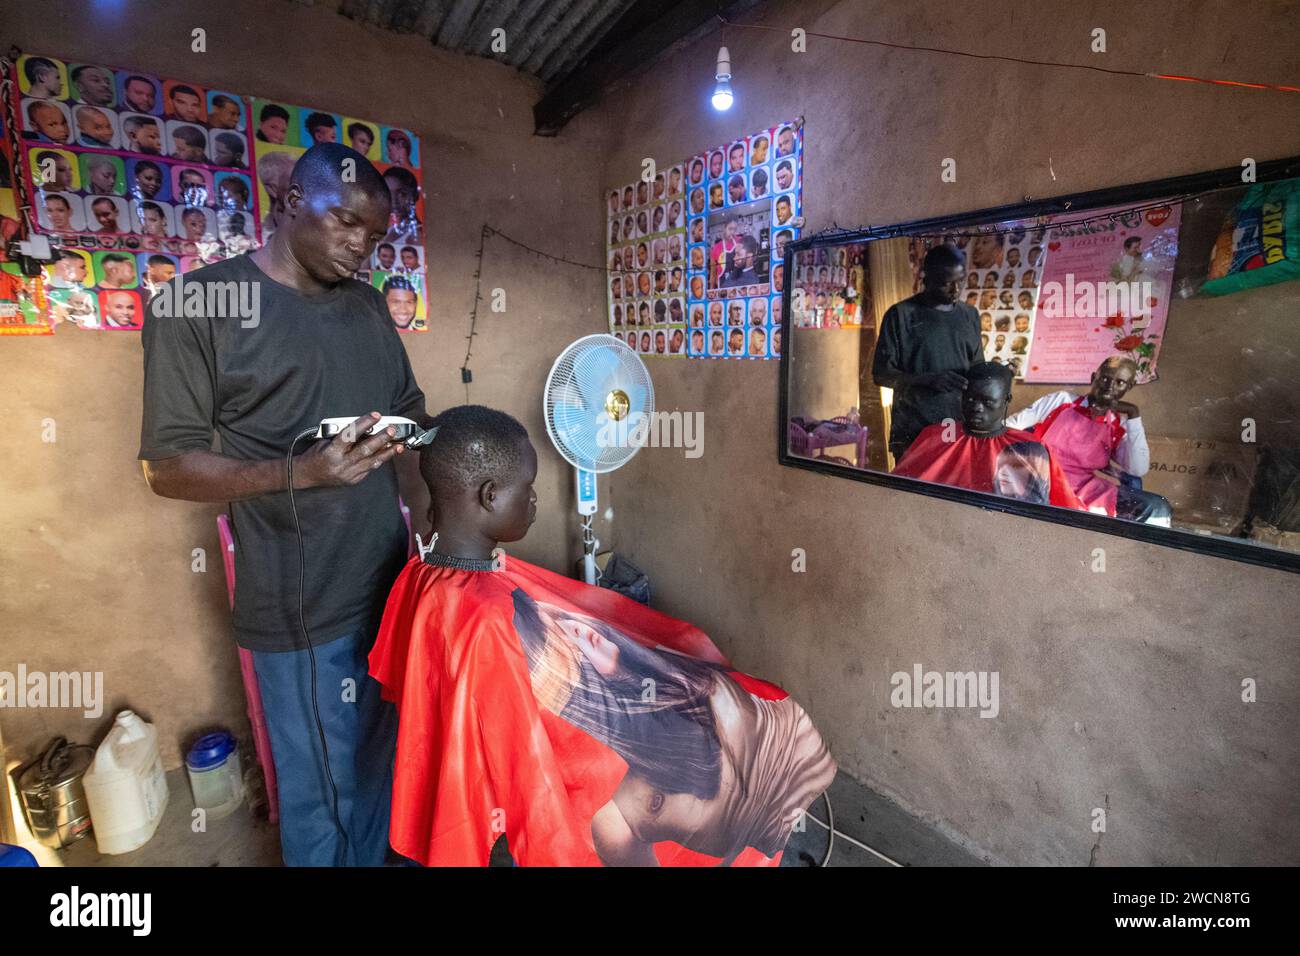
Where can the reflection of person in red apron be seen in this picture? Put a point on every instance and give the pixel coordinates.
(981, 453)
(1095, 436)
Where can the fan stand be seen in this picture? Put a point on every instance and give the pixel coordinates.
(586, 489)
(593, 382)
(590, 573)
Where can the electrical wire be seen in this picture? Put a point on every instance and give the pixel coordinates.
(544, 255)
(830, 837)
(1272, 87)
(1021, 225)
(311, 651)
(844, 836)
(465, 376)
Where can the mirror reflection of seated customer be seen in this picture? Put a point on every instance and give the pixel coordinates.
(981, 453)
(926, 343)
(586, 728)
(1095, 435)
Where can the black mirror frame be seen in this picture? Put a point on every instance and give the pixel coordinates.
(1235, 550)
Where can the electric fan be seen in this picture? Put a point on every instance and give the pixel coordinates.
(597, 395)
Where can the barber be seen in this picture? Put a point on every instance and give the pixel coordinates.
(926, 344)
(320, 344)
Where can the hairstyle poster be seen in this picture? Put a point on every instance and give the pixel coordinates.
(1105, 291)
(1004, 269)
(830, 288)
(282, 132)
(730, 211)
(646, 262)
(746, 204)
(136, 177)
(23, 308)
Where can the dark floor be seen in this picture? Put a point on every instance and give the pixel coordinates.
(242, 840)
(238, 840)
(864, 817)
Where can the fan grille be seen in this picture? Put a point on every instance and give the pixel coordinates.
(574, 402)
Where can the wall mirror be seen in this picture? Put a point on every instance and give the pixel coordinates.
(1125, 360)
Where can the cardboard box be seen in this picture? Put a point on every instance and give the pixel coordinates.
(1207, 483)
(1267, 534)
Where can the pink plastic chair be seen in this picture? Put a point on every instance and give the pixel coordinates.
(812, 444)
(252, 692)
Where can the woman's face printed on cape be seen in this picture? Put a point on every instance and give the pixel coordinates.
(599, 651)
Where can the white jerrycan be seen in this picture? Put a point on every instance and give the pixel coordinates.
(125, 786)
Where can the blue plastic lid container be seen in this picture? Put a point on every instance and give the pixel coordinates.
(15, 856)
(210, 750)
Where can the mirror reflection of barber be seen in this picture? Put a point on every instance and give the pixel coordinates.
(926, 342)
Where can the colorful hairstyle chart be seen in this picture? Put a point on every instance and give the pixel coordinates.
(282, 132)
(138, 178)
(1021, 276)
(646, 258)
(23, 307)
(692, 253)
(831, 287)
(135, 175)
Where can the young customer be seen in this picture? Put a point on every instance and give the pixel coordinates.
(585, 727)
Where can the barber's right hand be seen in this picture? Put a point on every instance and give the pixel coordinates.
(348, 457)
(944, 381)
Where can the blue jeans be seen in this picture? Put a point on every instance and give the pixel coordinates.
(1134, 504)
(361, 730)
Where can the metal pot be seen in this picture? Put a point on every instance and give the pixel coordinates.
(49, 788)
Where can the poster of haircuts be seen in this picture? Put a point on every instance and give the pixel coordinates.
(1003, 270)
(1004, 267)
(1059, 294)
(713, 287)
(135, 177)
(282, 132)
(646, 262)
(23, 309)
(1105, 291)
(831, 289)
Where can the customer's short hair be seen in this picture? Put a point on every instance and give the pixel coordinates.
(474, 444)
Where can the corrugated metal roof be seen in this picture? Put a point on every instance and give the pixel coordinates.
(547, 38)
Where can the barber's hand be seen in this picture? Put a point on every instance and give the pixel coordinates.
(1127, 408)
(348, 457)
(942, 381)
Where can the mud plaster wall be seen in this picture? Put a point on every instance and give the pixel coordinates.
(95, 571)
(1119, 690)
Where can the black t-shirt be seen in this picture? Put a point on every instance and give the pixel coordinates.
(916, 338)
(258, 385)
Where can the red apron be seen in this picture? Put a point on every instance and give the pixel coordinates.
(1083, 444)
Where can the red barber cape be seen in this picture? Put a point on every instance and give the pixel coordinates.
(584, 726)
(1014, 464)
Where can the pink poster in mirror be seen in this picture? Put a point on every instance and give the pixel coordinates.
(1104, 290)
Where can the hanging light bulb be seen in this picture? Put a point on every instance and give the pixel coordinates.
(722, 97)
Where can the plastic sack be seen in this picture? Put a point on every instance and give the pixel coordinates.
(1260, 240)
(624, 577)
(1275, 499)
